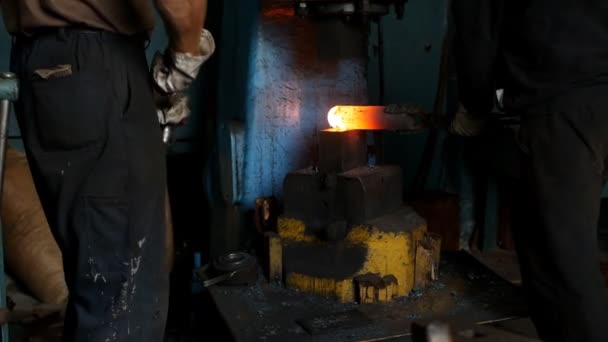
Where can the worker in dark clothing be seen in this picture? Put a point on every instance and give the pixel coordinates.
(93, 139)
(551, 59)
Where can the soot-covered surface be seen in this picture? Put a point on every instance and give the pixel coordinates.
(466, 291)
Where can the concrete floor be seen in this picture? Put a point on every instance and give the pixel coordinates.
(502, 262)
(47, 327)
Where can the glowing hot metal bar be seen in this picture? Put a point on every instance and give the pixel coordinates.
(376, 118)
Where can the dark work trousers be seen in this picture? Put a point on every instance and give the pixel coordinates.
(565, 145)
(93, 141)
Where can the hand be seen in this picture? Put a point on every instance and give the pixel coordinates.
(467, 125)
(184, 20)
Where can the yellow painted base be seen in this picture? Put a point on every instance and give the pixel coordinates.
(390, 249)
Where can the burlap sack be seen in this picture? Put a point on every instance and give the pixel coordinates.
(31, 252)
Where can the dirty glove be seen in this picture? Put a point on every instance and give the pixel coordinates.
(466, 124)
(173, 74)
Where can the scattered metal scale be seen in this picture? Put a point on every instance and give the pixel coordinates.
(466, 291)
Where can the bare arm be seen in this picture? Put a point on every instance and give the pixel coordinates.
(174, 70)
(183, 20)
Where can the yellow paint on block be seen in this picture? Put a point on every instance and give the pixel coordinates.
(293, 229)
(393, 292)
(388, 253)
(418, 235)
(274, 253)
(320, 286)
(359, 235)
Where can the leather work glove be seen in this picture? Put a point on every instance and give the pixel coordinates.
(467, 125)
(173, 74)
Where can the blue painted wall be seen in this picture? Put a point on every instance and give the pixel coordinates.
(412, 52)
(277, 82)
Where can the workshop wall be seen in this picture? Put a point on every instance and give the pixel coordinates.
(404, 67)
(410, 52)
(280, 74)
(273, 95)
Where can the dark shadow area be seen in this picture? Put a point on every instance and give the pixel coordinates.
(603, 229)
(191, 210)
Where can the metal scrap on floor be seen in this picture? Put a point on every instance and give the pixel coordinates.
(467, 292)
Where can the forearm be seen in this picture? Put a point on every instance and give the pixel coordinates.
(174, 70)
(188, 39)
(184, 20)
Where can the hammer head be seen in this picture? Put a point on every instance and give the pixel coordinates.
(431, 332)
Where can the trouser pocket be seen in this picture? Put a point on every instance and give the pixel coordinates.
(69, 111)
(69, 87)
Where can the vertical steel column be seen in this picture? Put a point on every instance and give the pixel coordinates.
(8, 93)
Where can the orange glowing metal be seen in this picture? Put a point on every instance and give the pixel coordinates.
(371, 118)
(357, 118)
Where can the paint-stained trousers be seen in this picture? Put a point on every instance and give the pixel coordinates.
(93, 141)
(564, 145)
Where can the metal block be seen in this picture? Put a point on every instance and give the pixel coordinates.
(428, 254)
(310, 196)
(341, 151)
(368, 192)
(385, 246)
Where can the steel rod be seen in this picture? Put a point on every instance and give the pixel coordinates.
(9, 93)
(5, 106)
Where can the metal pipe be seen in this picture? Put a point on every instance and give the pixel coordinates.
(5, 106)
(8, 93)
(9, 84)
